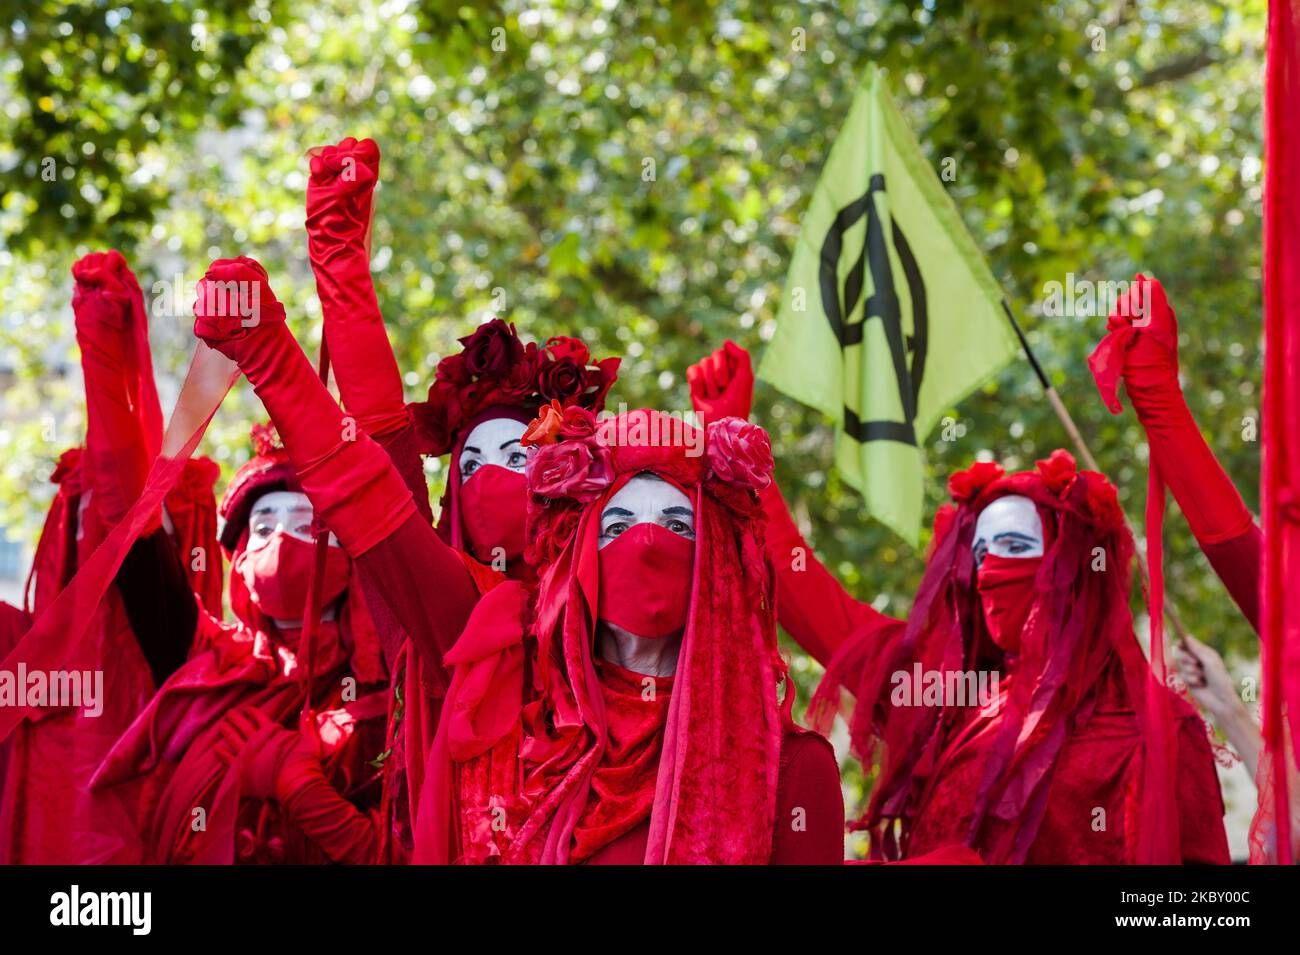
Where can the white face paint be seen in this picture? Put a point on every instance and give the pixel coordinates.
(495, 441)
(647, 499)
(1009, 527)
(287, 511)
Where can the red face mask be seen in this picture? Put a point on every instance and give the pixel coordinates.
(1006, 589)
(492, 504)
(276, 575)
(645, 581)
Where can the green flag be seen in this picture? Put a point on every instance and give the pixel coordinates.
(890, 315)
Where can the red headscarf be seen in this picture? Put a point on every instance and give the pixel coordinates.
(1078, 636)
(496, 375)
(528, 694)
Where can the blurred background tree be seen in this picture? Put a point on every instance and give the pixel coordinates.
(636, 174)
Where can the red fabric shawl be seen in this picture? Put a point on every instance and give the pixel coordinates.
(529, 722)
(1078, 656)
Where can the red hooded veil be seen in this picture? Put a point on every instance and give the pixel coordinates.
(251, 663)
(521, 768)
(1080, 722)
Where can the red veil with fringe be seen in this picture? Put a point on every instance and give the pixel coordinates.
(526, 726)
(1080, 721)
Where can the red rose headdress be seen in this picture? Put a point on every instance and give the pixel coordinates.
(1078, 635)
(496, 369)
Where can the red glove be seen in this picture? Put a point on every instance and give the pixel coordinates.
(722, 384)
(248, 738)
(123, 419)
(339, 208)
(349, 478)
(1142, 346)
(277, 763)
(308, 798)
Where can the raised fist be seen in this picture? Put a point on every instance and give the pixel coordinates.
(1141, 345)
(233, 300)
(722, 384)
(340, 189)
(103, 277)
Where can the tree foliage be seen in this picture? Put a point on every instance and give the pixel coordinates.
(636, 173)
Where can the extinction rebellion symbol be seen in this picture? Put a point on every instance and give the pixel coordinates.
(883, 304)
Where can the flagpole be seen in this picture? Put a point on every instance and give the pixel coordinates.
(1081, 447)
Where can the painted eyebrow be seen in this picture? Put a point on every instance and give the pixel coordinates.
(1017, 535)
(684, 511)
(616, 512)
(508, 444)
(470, 447)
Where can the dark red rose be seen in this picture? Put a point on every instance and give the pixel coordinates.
(578, 423)
(561, 380)
(452, 370)
(519, 387)
(561, 346)
(492, 349)
(966, 485)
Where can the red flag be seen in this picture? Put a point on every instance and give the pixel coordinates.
(1272, 832)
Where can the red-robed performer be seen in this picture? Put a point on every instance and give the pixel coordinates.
(1083, 757)
(47, 812)
(625, 710)
(476, 411)
(258, 749)
(363, 497)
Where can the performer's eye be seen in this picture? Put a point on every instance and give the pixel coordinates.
(517, 460)
(680, 527)
(468, 467)
(262, 530)
(613, 530)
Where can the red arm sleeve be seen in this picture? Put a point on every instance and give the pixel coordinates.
(426, 586)
(809, 827)
(350, 480)
(812, 606)
(343, 832)
(116, 458)
(339, 201)
(1145, 353)
(1236, 561)
(339, 196)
